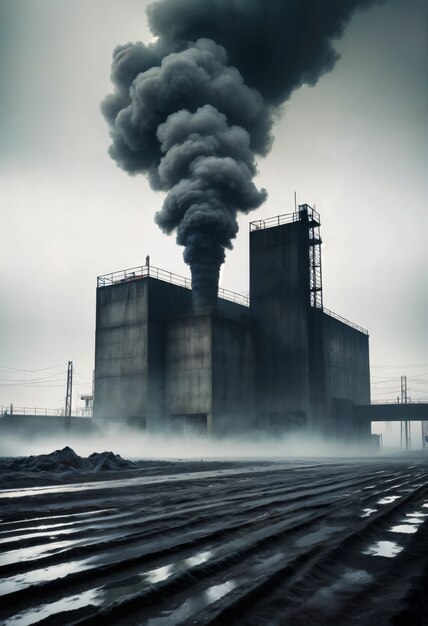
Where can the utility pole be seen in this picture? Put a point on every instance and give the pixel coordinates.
(405, 426)
(68, 397)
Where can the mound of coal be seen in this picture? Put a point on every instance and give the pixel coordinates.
(106, 461)
(66, 460)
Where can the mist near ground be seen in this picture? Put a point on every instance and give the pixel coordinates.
(132, 443)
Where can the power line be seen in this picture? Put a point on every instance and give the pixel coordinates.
(58, 376)
(43, 369)
(40, 386)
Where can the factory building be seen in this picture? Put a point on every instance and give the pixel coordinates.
(276, 362)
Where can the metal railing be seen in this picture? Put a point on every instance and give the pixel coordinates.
(271, 222)
(304, 210)
(400, 403)
(144, 271)
(345, 321)
(5, 411)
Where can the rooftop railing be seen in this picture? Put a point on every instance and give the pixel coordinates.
(345, 321)
(145, 271)
(271, 222)
(304, 211)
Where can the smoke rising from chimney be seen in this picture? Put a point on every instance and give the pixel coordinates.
(193, 109)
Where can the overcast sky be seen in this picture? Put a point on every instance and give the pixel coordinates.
(356, 145)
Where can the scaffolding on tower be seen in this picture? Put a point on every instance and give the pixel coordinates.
(312, 217)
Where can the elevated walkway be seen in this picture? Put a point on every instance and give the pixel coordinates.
(25, 411)
(392, 412)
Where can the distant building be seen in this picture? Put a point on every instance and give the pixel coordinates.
(277, 363)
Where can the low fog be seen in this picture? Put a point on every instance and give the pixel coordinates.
(136, 444)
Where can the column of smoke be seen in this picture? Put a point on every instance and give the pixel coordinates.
(193, 109)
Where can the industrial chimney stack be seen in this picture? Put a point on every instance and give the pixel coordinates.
(204, 287)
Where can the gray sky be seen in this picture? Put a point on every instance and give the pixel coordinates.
(356, 145)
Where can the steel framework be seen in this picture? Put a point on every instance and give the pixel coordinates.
(312, 217)
(405, 426)
(68, 396)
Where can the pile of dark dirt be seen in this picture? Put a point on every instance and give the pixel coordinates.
(67, 460)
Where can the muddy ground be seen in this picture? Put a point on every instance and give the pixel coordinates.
(309, 542)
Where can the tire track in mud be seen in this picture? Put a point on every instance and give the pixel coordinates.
(12, 538)
(263, 501)
(243, 592)
(223, 554)
(97, 546)
(293, 598)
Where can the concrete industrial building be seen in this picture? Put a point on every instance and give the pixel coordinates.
(277, 362)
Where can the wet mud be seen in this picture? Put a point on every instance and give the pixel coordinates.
(298, 542)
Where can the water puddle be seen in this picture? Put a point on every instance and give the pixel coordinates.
(216, 592)
(52, 534)
(193, 605)
(47, 549)
(407, 529)
(118, 590)
(55, 517)
(21, 581)
(367, 512)
(29, 554)
(77, 523)
(70, 603)
(420, 515)
(133, 585)
(410, 523)
(197, 559)
(388, 549)
(159, 574)
(388, 499)
(142, 580)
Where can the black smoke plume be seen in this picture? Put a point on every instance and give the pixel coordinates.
(194, 108)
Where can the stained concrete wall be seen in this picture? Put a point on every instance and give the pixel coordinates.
(210, 371)
(33, 427)
(188, 368)
(146, 342)
(233, 382)
(121, 352)
(346, 377)
(129, 349)
(279, 293)
(232, 310)
(165, 302)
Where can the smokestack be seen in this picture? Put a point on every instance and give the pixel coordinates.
(204, 287)
(193, 109)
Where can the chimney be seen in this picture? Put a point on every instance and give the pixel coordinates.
(204, 287)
